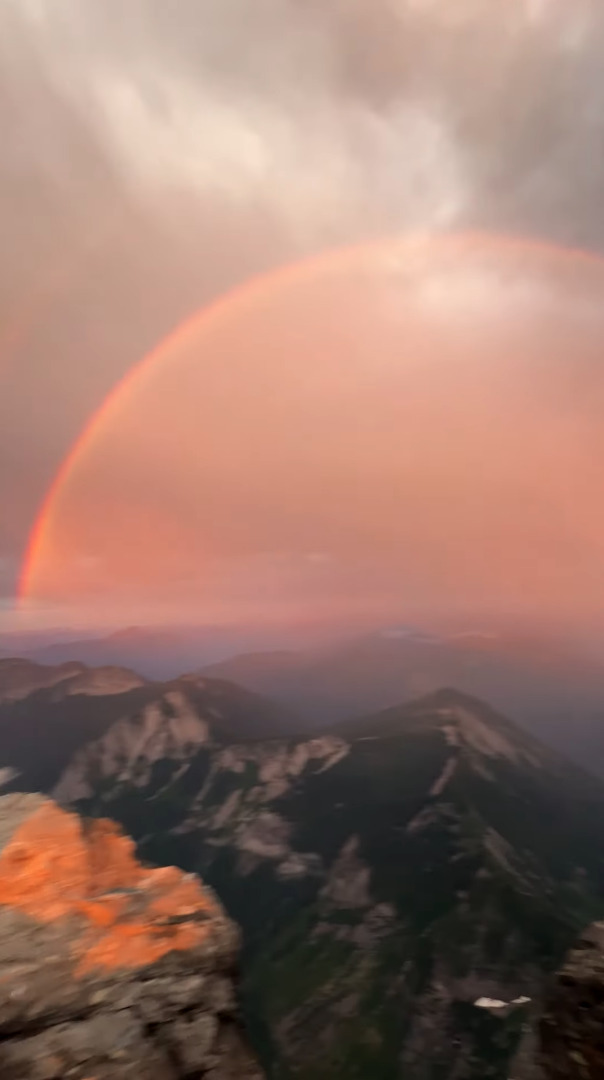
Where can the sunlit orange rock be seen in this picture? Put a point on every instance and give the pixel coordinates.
(109, 969)
(56, 867)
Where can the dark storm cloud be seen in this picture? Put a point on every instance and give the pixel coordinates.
(155, 152)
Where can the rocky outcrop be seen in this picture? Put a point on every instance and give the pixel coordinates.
(571, 1031)
(109, 970)
(96, 724)
(169, 727)
(233, 788)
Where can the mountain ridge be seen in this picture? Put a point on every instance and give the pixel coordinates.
(71, 705)
(20, 677)
(553, 688)
(372, 877)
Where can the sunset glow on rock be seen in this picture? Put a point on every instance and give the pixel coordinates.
(129, 916)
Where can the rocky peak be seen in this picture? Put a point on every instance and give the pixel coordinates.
(470, 728)
(477, 731)
(20, 678)
(99, 681)
(109, 969)
(168, 727)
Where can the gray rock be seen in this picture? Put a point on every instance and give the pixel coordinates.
(73, 1006)
(566, 1040)
(571, 1031)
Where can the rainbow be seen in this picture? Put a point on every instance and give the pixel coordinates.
(238, 300)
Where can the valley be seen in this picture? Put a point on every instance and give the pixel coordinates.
(405, 867)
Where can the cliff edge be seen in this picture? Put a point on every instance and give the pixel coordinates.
(109, 970)
(565, 1040)
(571, 1032)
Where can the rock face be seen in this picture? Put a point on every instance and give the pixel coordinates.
(48, 714)
(390, 877)
(168, 727)
(108, 970)
(571, 1032)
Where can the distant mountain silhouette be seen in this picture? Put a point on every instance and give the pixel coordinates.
(545, 683)
(159, 652)
(154, 652)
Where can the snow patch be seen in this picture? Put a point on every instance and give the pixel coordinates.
(493, 1003)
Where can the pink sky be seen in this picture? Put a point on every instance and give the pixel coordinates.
(406, 430)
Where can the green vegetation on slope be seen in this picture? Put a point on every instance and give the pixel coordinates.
(428, 857)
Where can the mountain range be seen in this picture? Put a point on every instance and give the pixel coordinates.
(155, 652)
(405, 881)
(47, 713)
(549, 685)
(550, 682)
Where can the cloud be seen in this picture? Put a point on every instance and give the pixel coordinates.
(155, 154)
(260, 120)
(334, 120)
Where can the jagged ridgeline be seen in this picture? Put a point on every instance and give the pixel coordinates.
(404, 883)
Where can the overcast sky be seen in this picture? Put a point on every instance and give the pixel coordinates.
(157, 152)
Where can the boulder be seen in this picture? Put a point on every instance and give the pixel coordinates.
(109, 970)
